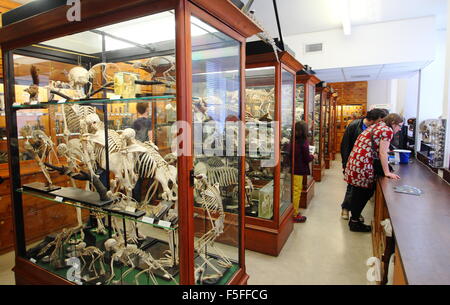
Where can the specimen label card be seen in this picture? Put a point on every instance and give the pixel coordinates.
(148, 220)
(130, 209)
(59, 199)
(62, 101)
(164, 223)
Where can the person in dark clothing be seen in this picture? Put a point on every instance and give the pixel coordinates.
(143, 128)
(302, 158)
(143, 124)
(353, 130)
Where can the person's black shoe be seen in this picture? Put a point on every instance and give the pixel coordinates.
(356, 226)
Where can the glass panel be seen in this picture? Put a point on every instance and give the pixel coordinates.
(311, 92)
(216, 114)
(300, 103)
(326, 110)
(260, 138)
(287, 117)
(78, 118)
(317, 129)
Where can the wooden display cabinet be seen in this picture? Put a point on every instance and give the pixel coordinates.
(33, 31)
(321, 99)
(267, 232)
(309, 83)
(330, 135)
(334, 126)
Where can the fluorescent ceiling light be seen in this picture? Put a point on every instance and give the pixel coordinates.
(345, 16)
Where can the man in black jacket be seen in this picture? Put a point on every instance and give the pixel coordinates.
(353, 130)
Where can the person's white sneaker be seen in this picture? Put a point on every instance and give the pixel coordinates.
(344, 214)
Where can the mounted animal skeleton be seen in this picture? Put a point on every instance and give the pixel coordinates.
(126, 254)
(225, 176)
(211, 200)
(42, 149)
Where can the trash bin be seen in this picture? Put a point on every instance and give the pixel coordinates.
(404, 155)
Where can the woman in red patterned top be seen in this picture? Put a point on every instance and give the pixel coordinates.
(359, 171)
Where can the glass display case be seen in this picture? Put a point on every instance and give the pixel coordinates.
(306, 86)
(270, 119)
(320, 123)
(432, 145)
(327, 137)
(330, 129)
(333, 127)
(116, 124)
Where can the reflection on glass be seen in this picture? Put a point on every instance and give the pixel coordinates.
(216, 110)
(260, 111)
(317, 126)
(287, 108)
(300, 103)
(327, 117)
(311, 93)
(70, 217)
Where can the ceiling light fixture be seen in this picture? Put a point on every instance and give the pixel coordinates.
(345, 16)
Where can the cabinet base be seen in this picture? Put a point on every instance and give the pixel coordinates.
(317, 174)
(267, 240)
(327, 163)
(307, 195)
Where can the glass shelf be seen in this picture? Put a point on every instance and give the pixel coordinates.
(108, 212)
(97, 102)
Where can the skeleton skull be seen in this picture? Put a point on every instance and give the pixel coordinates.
(62, 149)
(93, 121)
(78, 77)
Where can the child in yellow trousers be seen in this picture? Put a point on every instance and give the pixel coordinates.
(302, 158)
(298, 186)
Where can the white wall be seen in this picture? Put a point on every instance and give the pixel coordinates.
(433, 99)
(410, 40)
(400, 94)
(432, 82)
(380, 92)
(377, 92)
(407, 97)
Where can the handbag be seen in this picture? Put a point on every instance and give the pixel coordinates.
(377, 166)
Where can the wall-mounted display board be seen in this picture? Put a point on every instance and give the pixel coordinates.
(306, 90)
(88, 187)
(270, 126)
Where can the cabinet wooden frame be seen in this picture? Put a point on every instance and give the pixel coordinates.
(268, 236)
(331, 129)
(334, 126)
(319, 168)
(53, 24)
(309, 82)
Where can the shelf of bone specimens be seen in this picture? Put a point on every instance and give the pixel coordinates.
(317, 126)
(300, 103)
(129, 187)
(160, 216)
(97, 102)
(433, 133)
(260, 136)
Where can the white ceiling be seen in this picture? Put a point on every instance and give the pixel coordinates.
(302, 16)
(367, 73)
(306, 16)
